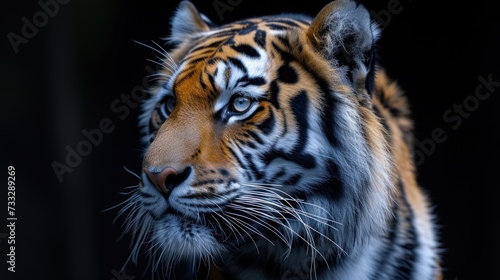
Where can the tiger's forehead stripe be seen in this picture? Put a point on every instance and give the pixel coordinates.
(232, 67)
(230, 78)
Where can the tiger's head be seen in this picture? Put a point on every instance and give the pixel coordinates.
(261, 137)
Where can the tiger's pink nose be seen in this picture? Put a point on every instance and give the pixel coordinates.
(159, 179)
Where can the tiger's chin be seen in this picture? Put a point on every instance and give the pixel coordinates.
(176, 238)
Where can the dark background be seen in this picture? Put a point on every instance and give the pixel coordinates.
(83, 58)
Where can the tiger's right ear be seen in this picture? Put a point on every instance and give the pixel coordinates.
(343, 32)
(187, 21)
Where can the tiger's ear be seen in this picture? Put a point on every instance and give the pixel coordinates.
(343, 32)
(187, 21)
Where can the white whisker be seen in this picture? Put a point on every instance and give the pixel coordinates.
(277, 201)
(150, 47)
(156, 62)
(249, 226)
(166, 54)
(261, 221)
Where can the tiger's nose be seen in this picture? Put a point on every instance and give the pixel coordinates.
(159, 179)
(168, 178)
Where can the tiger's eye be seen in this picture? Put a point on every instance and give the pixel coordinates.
(170, 104)
(241, 104)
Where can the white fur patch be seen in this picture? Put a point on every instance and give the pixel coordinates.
(174, 239)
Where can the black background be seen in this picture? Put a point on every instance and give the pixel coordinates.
(67, 76)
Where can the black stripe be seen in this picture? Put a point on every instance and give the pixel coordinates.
(300, 108)
(212, 82)
(390, 240)
(183, 78)
(247, 29)
(407, 261)
(288, 75)
(334, 188)
(224, 172)
(223, 34)
(253, 168)
(249, 144)
(260, 38)
(252, 81)
(285, 56)
(202, 83)
(370, 76)
(238, 64)
(331, 102)
(215, 71)
(285, 124)
(328, 121)
(246, 50)
(208, 181)
(267, 126)
(243, 142)
(256, 137)
(198, 59)
(304, 160)
(213, 60)
(227, 75)
(274, 90)
(146, 195)
(233, 153)
(293, 180)
(212, 45)
(278, 174)
(202, 52)
(188, 68)
(284, 41)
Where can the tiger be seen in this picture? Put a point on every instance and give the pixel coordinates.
(277, 147)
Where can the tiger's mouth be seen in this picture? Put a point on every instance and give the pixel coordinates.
(190, 203)
(211, 221)
(189, 226)
(230, 217)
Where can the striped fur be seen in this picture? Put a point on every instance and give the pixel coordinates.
(276, 148)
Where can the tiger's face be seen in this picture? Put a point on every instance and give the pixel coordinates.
(233, 124)
(250, 135)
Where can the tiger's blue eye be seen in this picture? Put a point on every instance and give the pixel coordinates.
(168, 106)
(241, 104)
